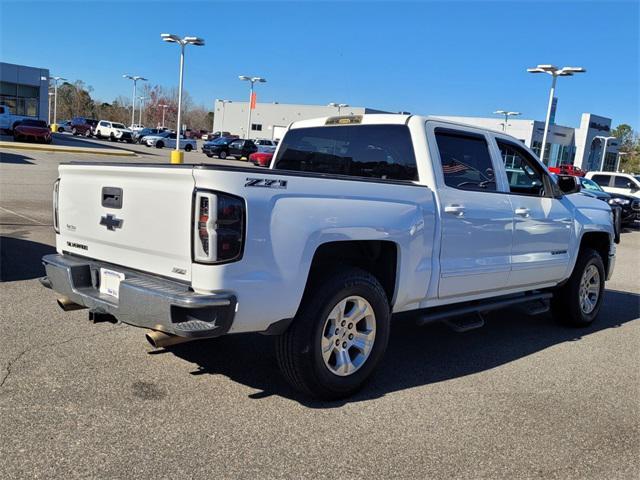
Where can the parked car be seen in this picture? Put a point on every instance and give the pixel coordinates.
(168, 139)
(624, 183)
(240, 148)
(8, 120)
(196, 134)
(263, 156)
(64, 126)
(265, 143)
(29, 129)
(214, 135)
(629, 206)
(113, 131)
(357, 219)
(83, 126)
(218, 147)
(139, 136)
(568, 170)
(136, 127)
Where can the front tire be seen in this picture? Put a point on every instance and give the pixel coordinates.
(578, 301)
(159, 144)
(222, 155)
(338, 336)
(188, 148)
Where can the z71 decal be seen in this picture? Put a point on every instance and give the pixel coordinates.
(265, 183)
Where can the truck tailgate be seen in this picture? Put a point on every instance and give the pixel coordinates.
(149, 231)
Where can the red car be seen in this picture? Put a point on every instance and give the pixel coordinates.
(261, 159)
(568, 170)
(36, 130)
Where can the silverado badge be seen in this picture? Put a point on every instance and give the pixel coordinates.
(111, 222)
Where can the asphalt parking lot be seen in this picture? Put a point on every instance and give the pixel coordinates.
(520, 398)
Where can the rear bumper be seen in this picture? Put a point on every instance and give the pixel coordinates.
(144, 300)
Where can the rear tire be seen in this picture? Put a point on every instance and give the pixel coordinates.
(210, 155)
(222, 155)
(578, 301)
(74, 132)
(188, 148)
(98, 135)
(159, 144)
(352, 349)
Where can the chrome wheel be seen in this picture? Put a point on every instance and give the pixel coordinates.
(589, 291)
(348, 336)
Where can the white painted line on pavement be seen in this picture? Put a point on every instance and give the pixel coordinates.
(23, 216)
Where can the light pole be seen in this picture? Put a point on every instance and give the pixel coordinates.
(224, 103)
(164, 109)
(142, 99)
(49, 117)
(55, 98)
(177, 155)
(135, 79)
(251, 80)
(620, 154)
(555, 72)
(604, 141)
(506, 114)
(339, 106)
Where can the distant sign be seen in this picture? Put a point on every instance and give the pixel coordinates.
(599, 126)
(554, 106)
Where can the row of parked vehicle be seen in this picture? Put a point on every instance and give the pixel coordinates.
(258, 151)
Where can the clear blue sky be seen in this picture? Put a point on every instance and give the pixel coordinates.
(453, 58)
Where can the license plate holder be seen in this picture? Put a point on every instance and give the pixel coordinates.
(110, 282)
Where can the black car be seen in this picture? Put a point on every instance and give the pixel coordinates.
(629, 206)
(224, 147)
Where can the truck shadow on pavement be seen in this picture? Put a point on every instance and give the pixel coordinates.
(416, 356)
(21, 259)
(15, 158)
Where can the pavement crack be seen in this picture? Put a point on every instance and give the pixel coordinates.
(37, 348)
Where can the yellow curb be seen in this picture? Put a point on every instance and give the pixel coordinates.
(61, 148)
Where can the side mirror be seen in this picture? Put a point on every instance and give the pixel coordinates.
(568, 184)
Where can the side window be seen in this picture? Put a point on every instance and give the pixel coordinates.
(466, 162)
(524, 173)
(621, 182)
(235, 145)
(602, 180)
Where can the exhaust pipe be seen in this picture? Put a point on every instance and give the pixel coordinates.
(161, 339)
(68, 306)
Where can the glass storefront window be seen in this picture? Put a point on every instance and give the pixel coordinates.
(21, 99)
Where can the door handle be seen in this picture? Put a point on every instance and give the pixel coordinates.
(523, 212)
(457, 210)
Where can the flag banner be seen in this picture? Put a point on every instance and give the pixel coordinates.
(253, 101)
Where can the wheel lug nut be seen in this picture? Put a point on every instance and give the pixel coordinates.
(344, 344)
(343, 323)
(350, 326)
(337, 331)
(351, 336)
(337, 342)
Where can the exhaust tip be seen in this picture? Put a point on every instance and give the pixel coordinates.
(150, 339)
(67, 305)
(161, 340)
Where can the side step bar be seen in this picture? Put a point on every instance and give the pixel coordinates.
(481, 307)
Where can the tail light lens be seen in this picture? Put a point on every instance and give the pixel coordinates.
(56, 195)
(218, 227)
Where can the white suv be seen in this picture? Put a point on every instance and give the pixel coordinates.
(611, 182)
(113, 131)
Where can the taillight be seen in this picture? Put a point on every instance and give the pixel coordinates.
(56, 192)
(218, 227)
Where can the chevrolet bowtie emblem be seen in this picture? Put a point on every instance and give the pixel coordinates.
(111, 222)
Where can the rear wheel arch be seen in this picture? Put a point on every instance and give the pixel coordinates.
(378, 257)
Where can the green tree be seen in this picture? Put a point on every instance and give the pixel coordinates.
(629, 146)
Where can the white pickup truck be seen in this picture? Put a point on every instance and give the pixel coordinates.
(9, 120)
(358, 218)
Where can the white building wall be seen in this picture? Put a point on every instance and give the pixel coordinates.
(30, 76)
(588, 148)
(232, 116)
(521, 129)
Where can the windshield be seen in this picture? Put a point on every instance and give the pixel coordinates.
(637, 177)
(222, 141)
(117, 125)
(34, 123)
(591, 185)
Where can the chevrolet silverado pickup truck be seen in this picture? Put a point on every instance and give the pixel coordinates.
(357, 219)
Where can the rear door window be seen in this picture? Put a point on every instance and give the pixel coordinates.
(465, 160)
(374, 151)
(602, 180)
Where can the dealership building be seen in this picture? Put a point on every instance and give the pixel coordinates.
(270, 120)
(565, 145)
(25, 90)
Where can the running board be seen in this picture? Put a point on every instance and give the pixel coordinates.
(483, 306)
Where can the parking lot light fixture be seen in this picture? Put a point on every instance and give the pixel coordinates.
(55, 98)
(164, 109)
(49, 116)
(506, 114)
(223, 102)
(177, 156)
(555, 72)
(135, 79)
(604, 141)
(252, 81)
(339, 106)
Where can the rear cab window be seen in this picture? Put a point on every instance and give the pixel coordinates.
(371, 151)
(602, 180)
